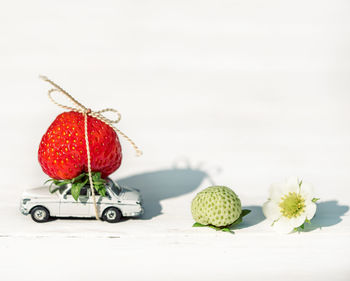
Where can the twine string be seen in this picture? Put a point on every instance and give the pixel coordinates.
(78, 107)
(89, 164)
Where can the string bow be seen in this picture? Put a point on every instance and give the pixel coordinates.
(78, 107)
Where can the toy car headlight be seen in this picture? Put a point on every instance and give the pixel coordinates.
(25, 200)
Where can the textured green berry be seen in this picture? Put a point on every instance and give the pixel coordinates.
(216, 205)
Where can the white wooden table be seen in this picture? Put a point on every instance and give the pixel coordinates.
(234, 93)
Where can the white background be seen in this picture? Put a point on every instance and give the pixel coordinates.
(237, 93)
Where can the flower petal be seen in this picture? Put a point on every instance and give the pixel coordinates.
(271, 210)
(307, 191)
(276, 192)
(283, 226)
(298, 221)
(291, 185)
(310, 210)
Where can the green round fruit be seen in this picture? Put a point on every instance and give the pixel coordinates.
(216, 205)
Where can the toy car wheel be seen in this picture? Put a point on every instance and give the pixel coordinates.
(112, 215)
(40, 214)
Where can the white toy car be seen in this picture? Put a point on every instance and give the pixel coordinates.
(120, 201)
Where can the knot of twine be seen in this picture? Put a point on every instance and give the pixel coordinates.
(96, 114)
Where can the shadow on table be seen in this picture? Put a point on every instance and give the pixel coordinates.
(328, 213)
(163, 184)
(254, 217)
(79, 219)
(71, 219)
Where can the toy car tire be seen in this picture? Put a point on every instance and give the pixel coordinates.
(40, 214)
(112, 215)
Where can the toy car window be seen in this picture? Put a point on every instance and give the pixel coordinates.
(115, 188)
(62, 189)
(84, 191)
(88, 191)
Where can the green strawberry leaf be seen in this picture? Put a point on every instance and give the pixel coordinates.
(197, 224)
(101, 190)
(214, 227)
(98, 181)
(57, 183)
(75, 190)
(76, 187)
(80, 181)
(225, 228)
(236, 222)
(79, 178)
(221, 228)
(62, 183)
(53, 190)
(48, 181)
(315, 199)
(240, 219)
(96, 176)
(244, 213)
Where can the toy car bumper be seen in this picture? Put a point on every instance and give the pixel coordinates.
(134, 214)
(141, 212)
(23, 210)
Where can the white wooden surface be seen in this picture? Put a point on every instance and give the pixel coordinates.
(239, 93)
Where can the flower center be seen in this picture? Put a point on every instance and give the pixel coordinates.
(292, 205)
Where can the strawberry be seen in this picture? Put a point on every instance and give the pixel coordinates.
(217, 207)
(62, 151)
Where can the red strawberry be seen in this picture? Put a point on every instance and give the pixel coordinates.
(62, 151)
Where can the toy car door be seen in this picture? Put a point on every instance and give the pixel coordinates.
(71, 208)
(101, 201)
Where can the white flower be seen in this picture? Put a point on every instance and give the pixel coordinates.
(290, 205)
